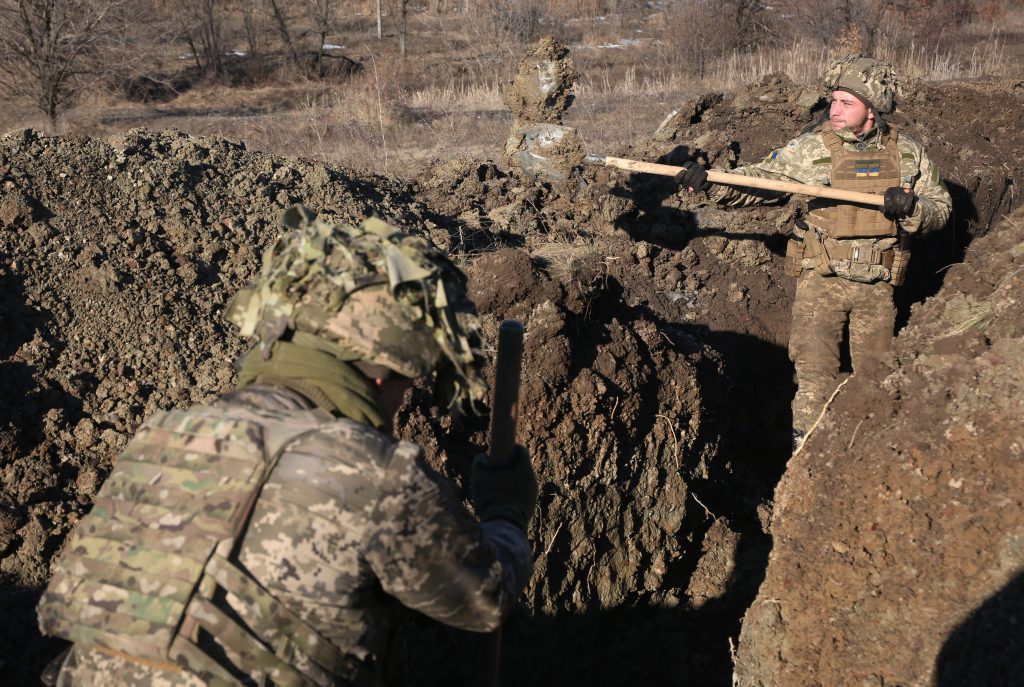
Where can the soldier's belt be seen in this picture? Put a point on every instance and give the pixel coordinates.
(838, 250)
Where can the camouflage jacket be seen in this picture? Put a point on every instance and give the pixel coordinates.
(333, 527)
(800, 161)
(348, 521)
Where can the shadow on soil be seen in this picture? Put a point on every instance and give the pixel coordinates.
(23, 652)
(655, 644)
(988, 647)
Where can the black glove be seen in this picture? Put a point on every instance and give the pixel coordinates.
(693, 177)
(899, 203)
(509, 492)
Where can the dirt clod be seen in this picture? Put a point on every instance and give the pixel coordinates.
(541, 90)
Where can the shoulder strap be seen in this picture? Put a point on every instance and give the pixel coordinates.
(832, 141)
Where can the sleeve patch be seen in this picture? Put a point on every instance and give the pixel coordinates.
(908, 156)
(935, 174)
(822, 160)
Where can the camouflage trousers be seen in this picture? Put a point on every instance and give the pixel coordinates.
(822, 309)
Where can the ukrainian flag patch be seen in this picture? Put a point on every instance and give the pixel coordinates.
(867, 168)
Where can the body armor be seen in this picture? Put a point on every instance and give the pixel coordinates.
(147, 573)
(868, 171)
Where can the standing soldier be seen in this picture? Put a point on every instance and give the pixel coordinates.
(258, 540)
(847, 257)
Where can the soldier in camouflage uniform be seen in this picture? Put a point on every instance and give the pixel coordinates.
(261, 539)
(847, 257)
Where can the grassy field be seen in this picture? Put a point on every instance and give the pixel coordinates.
(444, 99)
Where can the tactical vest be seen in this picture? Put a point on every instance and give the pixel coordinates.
(869, 171)
(146, 571)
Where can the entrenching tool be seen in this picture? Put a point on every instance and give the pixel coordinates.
(551, 150)
(717, 177)
(504, 414)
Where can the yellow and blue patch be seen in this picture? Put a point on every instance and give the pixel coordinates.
(867, 168)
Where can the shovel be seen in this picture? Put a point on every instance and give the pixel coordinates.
(552, 150)
(717, 177)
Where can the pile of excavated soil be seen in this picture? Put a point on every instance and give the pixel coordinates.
(119, 260)
(656, 382)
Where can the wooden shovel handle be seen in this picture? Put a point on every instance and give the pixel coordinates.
(505, 407)
(716, 177)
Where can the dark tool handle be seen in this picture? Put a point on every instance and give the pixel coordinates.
(505, 409)
(504, 413)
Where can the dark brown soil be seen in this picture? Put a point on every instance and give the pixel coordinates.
(655, 400)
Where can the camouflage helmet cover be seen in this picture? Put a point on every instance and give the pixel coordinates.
(372, 293)
(873, 81)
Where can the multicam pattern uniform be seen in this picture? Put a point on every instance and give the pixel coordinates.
(858, 294)
(347, 518)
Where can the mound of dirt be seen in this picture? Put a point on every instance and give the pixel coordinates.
(120, 259)
(899, 530)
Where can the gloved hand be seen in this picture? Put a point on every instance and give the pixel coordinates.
(508, 492)
(899, 203)
(693, 177)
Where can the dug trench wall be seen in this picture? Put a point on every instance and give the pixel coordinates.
(656, 382)
(898, 530)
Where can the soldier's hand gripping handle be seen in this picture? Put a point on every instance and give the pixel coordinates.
(693, 177)
(899, 202)
(503, 484)
(508, 492)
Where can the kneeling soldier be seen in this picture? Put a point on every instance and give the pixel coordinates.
(257, 540)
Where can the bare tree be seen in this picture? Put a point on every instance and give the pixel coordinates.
(49, 49)
(249, 22)
(323, 23)
(403, 27)
(277, 9)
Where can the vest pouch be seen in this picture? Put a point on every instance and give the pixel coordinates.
(900, 262)
(794, 257)
(814, 251)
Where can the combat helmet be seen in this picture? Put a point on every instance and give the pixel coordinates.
(367, 293)
(873, 81)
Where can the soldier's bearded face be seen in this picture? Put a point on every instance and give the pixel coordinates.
(848, 111)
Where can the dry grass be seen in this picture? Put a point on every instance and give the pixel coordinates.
(446, 100)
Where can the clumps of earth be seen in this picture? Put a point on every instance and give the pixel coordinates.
(538, 96)
(676, 541)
